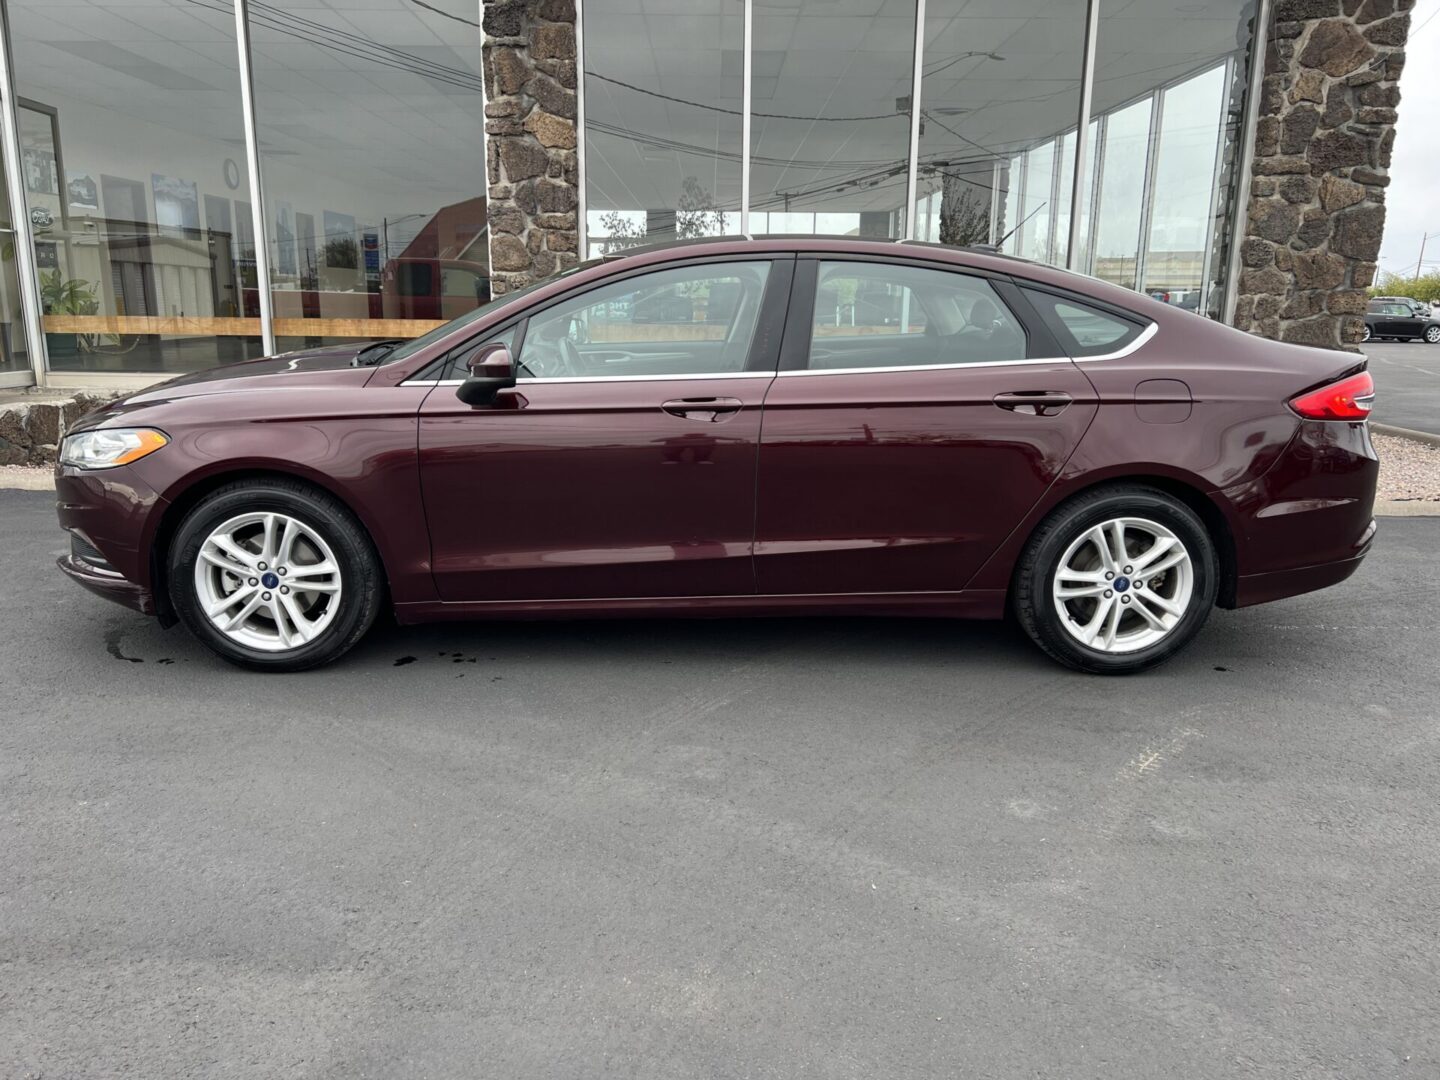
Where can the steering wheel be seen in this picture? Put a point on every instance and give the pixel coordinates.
(570, 362)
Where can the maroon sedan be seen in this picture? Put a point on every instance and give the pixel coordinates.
(786, 426)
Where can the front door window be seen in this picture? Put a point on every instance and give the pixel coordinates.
(686, 321)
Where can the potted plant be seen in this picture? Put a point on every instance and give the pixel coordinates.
(61, 297)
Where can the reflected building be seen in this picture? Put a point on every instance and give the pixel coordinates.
(1223, 156)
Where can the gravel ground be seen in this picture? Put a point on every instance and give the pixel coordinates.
(1409, 470)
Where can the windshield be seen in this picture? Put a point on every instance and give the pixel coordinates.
(414, 345)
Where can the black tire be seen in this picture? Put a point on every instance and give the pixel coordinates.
(1036, 609)
(362, 577)
(1365, 334)
(1432, 335)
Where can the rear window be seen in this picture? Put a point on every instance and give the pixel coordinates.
(1081, 329)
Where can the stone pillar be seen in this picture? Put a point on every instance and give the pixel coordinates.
(529, 57)
(1322, 155)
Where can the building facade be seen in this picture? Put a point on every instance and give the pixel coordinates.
(192, 182)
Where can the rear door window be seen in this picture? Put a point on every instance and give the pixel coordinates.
(886, 315)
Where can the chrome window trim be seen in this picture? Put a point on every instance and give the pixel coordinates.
(530, 380)
(1140, 339)
(925, 367)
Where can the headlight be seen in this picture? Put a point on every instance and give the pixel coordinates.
(105, 448)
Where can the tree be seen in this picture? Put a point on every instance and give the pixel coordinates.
(1425, 287)
(964, 215)
(342, 253)
(696, 214)
(621, 232)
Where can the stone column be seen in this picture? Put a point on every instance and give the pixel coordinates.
(1322, 155)
(529, 57)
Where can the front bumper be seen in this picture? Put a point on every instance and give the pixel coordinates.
(112, 514)
(109, 585)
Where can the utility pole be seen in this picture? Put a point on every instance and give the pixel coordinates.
(1420, 261)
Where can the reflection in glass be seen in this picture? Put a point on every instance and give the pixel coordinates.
(1163, 72)
(14, 352)
(370, 129)
(998, 84)
(831, 117)
(1191, 118)
(662, 121)
(1120, 154)
(129, 122)
(1037, 200)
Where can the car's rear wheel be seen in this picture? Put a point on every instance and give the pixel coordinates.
(1365, 334)
(1432, 335)
(275, 576)
(1117, 580)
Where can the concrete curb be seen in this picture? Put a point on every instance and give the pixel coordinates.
(1405, 433)
(1406, 508)
(26, 478)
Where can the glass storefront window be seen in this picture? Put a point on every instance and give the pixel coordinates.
(663, 90)
(1191, 119)
(132, 147)
(14, 349)
(369, 118)
(1037, 202)
(1121, 150)
(1163, 80)
(830, 125)
(370, 124)
(997, 88)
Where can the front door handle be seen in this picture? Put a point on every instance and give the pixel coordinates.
(1034, 402)
(711, 410)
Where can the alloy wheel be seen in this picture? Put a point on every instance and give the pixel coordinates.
(1432, 334)
(1123, 585)
(268, 581)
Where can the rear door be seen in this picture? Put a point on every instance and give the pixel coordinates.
(623, 463)
(914, 421)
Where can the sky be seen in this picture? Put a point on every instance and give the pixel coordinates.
(1413, 198)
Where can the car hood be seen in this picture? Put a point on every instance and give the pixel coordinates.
(328, 366)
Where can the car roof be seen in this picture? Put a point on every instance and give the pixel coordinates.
(797, 242)
(975, 256)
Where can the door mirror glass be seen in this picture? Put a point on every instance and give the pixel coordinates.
(490, 369)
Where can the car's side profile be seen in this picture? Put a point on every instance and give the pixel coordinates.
(1402, 319)
(769, 426)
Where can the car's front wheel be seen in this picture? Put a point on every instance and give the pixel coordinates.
(1365, 334)
(1432, 335)
(1117, 580)
(275, 576)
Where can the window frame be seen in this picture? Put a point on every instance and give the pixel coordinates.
(769, 326)
(765, 298)
(1147, 327)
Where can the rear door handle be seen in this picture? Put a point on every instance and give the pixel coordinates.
(712, 410)
(1034, 402)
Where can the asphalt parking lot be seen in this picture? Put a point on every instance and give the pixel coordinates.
(1407, 384)
(820, 848)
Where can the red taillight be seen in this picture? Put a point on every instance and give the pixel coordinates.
(1348, 399)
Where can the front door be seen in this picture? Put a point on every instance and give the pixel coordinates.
(915, 429)
(623, 464)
